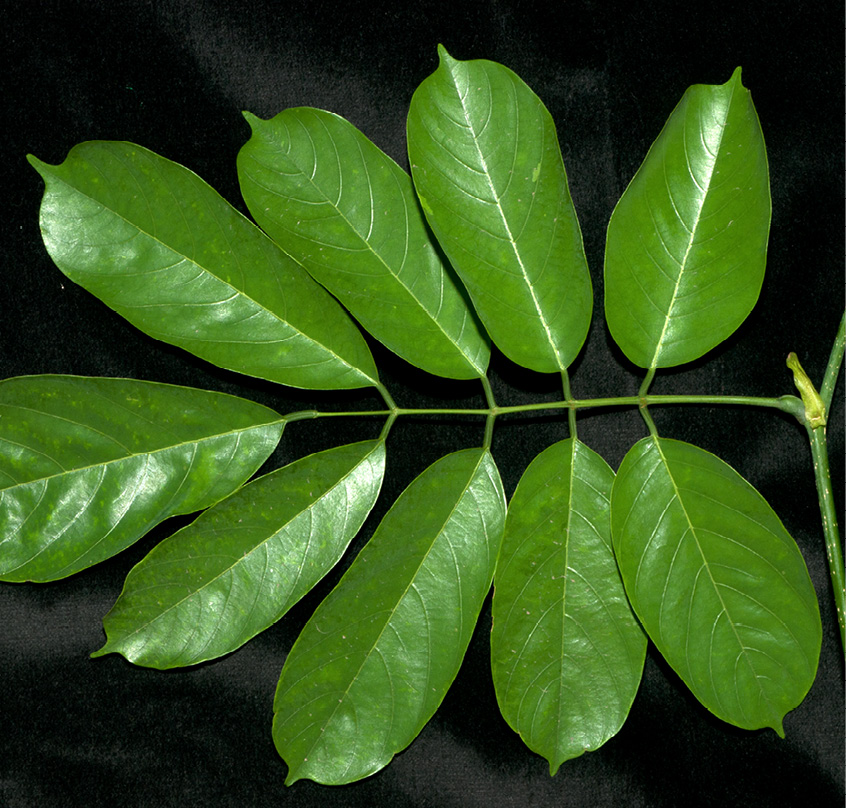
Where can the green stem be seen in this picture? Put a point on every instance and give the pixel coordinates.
(492, 412)
(647, 381)
(788, 404)
(646, 415)
(571, 411)
(303, 415)
(822, 474)
(819, 453)
(386, 397)
(642, 402)
(834, 361)
(392, 413)
(387, 427)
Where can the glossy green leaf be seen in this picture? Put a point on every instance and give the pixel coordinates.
(88, 466)
(159, 246)
(687, 242)
(242, 564)
(717, 582)
(377, 657)
(566, 651)
(348, 212)
(488, 170)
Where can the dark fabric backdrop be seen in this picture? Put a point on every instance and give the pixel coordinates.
(174, 75)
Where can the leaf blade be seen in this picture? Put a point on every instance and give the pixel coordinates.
(376, 658)
(488, 170)
(163, 249)
(717, 582)
(687, 242)
(328, 196)
(244, 562)
(90, 465)
(566, 651)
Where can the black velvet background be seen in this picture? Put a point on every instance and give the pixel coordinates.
(173, 76)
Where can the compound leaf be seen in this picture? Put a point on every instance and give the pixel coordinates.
(89, 465)
(687, 242)
(488, 170)
(162, 248)
(566, 651)
(242, 564)
(717, 582)
(378, 655)
(342, 207)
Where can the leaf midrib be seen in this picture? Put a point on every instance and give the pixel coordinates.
(103, 467)
(133, 455)
(725, 610)
(400, 599)
(509, 235)
(682, 264)
(199, 266)
(561, 747)
(242, 559)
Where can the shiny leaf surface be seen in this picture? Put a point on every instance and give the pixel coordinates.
(162, 248)
(377, 657)
(242, 564)
(566, 651)
(687, 242)
(88, 465)
(717, 582)
(348, 212)
(488, 170)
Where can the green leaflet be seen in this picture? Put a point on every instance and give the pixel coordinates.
(377, 657)
(687, 243)
(717, 582)
(488, 169)
(348, 212)
(88, 466)
(566, 651)
(241, 565)
(159, 246)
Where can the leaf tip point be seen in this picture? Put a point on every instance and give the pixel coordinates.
(253, 120)
(37, 164)
(778, 726)
(443, 55)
